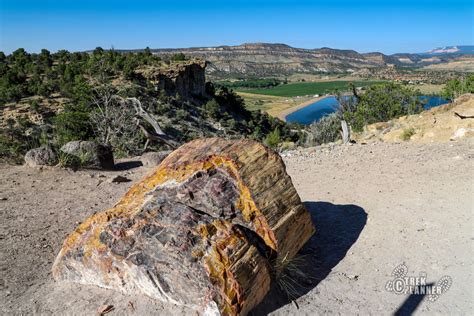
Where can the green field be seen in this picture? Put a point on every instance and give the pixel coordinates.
(308, 88)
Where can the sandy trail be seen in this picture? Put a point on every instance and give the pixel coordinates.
(374, 206)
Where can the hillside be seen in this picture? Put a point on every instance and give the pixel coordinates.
(439, 124)
(265, 59)
(51, 99)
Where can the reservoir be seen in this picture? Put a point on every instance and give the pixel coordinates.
(317, 110)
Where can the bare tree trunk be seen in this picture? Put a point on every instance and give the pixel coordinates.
(346, 133)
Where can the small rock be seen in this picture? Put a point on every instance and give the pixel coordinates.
(153, 159)
(3, 198)
(462, 132)
(41, 156)
(104, 309)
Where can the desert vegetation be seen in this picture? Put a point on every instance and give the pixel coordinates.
(379, 103)
(66, 96)
(49, 99)
(457, 87)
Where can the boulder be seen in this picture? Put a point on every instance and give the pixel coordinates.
(90, 154)
(154, 158)
(41, 156)
(210, 228)
(462, 132)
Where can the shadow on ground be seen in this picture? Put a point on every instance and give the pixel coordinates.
(337, 228)
(412, 302)
(127, 165)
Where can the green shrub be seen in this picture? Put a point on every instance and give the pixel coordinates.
(178, 57)
(408, 133)
(273, 138)
(383, 102)
(456, 87)
(69, 126)
(69, 161)
(11, 151)
(35, 106)
(182, 114)
(326, 130)
(17, 138)
(213, 109)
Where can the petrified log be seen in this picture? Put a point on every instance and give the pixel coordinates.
(210, 228)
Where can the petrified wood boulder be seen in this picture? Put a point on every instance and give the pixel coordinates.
(210, 228)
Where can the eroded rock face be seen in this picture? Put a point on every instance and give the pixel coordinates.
(186, 79)
(209, 228)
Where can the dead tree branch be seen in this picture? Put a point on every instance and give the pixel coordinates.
(462, 117)
(158, 134)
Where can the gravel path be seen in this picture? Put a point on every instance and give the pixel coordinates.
(374, 206)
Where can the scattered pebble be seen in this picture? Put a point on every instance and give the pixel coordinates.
(104, 309)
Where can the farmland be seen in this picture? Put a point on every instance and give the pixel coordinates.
(307, 88)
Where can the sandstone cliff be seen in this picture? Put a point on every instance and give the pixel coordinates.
(186, 79)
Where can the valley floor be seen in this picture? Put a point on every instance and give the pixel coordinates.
(374, 206)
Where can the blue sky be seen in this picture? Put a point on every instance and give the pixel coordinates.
(386, 26)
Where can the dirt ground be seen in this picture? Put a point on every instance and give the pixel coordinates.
(374, 206)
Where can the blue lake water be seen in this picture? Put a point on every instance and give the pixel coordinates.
(317, 110)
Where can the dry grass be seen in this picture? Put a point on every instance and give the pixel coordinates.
(407, 133)
(430, 88)
(292, 275)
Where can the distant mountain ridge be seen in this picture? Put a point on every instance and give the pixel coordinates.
(277, 59)
(458, 49)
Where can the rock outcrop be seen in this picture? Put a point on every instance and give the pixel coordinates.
(41, 156)
(186, 79)
(210, 228)
(90, 154)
